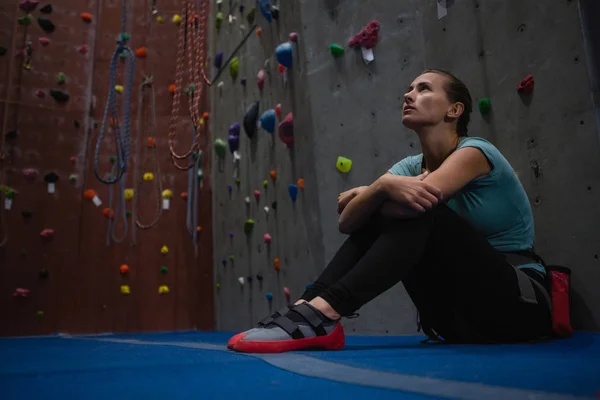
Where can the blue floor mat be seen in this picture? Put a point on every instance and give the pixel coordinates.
(101, 368)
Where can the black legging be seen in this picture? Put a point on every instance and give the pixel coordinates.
(462, 287)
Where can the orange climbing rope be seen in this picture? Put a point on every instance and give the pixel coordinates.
(3, 218)
(191, 45)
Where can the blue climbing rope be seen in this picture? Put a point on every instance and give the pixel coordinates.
(122, 139)
(193, 196)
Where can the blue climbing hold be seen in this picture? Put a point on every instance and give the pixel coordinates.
(283, 52)
(234, 137)
(229, 188)
(308, 285)
(267, 120)
(265, 7)
(219, 59)
(269, 296)
(224, 262)
(293, 191)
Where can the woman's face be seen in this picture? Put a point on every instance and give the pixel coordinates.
(426, 102)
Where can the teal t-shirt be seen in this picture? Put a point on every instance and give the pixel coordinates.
(496, 204)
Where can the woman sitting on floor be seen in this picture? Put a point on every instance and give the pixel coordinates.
(453, 224)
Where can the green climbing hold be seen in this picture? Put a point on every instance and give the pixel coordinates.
(73, 178)
(200, 175)
(343, 164)
(95, 124)
(234, 67)
(189, 89)
(220, 148)
(231, 258)
(336, 50)
(248, 225)
(3, 51)
(25, 20)
(238, 181)
(112, 159)
(485, 106)
(265, 184)
(59, 95)
(123, 55)
(125, 37)
(46, 25)
(163, 270)
(39, 313)
(10, 193)
(61, 78)
(251, 16)
(128, 213)
(219, 20)
(76, 124)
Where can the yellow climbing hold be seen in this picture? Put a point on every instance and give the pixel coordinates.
(148, 176)
(167, 194)
(39, 313)
(125, 289)
(163, 289)
(176, 19)
(160, 19)
(164, 250)
(128, 194)
(119, 88)
(343, 164)
(218, 285)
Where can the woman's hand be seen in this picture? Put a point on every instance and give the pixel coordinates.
(345, 197)
(411, 192)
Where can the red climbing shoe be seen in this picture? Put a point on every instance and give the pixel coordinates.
(282, 334)
(261, 324)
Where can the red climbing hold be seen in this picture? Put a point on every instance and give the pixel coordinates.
(278, 110)
(86, 17)
(281, 69)
(526, 85)
(30, 173)
(367, 37)
(28, 5)
(267, 238)
(40, 94)
(47, 233)
(44, 41)
(257, 194)
(260, 79)
(293, 37)
(286, 130)
(83, 49)
(142, 52)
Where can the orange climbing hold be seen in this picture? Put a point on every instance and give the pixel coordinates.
(273, 175)
(108, 212)
(278, 110)
(184, 195)
(277, 264)
(198, 229)
(172, 88)
(259, 32)
(86, 17)
(142, 52)
(281, 69)
(124, 269)
(205, 116)
(301, 183)
(89, 194)
(151, 142)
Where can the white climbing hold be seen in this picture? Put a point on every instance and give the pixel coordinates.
(220, 85)
(241, 280)
(247, 199)
(266, 210)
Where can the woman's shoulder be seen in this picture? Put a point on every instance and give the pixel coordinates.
(408, 166)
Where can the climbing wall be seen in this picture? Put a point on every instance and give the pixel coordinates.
(75, 260)
(347, 103)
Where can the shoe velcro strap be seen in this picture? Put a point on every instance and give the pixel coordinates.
(268, 320)
(312, 317)
(289, 326)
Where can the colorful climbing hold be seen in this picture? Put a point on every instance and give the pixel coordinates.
(218, 60)
(59, 96)
(39, 313)
(286, 291)
(128, 193)
(30, 173)
(172, 88)
(160, 19)
(283, 53)
(28, 5)
(21, 292)
(25, 20)
(248, 225)
(89, 194)
(251, 16)
(277, 264)
(257, 194)
(260, 79)
(141, 52)
(286, 130)
(234, 67)
(176, 19)
(280, 69)
(265, 8)
(125, 289)
(247, 200)
(164, 270)
(108, 212)
(301, 183)
(485, 106)
(241, 280)
(73, 178)
(267, 238)
(367, 37)
(266, 210)
(232, 258)
(148, 176)
(269, 296)
(220, 147)
(336, 50)
(265, 184)
(526, 85)
(250, 119)
(258, 32)
(124, 269)
(163, 289)
(47, 9)
(47, 233)
(267, 121)
(119, 89)
(167, 194)
(343, 164)
(86, 17)
(243, 81)
(219, 20)
(293, 191)
(61, 78)
(46, 25)
(234, 137)
(44, 41)
(164, 250)
(26, 214)
(293, 37)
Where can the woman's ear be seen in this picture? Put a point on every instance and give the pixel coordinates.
(456, 110)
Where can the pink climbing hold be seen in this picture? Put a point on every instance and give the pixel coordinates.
(20, 292)
(286, 130)
(260, 79)
(44, 41)
(73, 159)
(367, 37)
(286, 291)
(40, 94)
(293, 37)
(267, 238)
(47, 233)
(278, 110)
(28, 5)
(83, 49)
(257, 194)
(30, 173)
